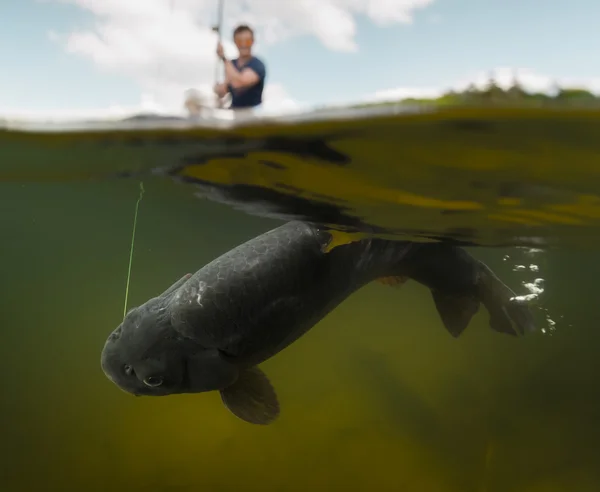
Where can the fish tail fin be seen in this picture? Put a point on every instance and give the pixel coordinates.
(456, 311)
(506, 314)
(459, 283)
(446, 271)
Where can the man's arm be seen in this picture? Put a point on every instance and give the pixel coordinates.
(247, 77)
(221, 90)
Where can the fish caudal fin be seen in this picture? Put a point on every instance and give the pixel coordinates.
(506, 314)
(456, 312)
(252, 398)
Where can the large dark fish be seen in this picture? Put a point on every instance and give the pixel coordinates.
(210, 330)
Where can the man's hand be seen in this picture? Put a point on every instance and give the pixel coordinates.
(221, 90)
(220, 51)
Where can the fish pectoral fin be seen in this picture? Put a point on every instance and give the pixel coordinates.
(252, 398)
(393, 281)
(456, 311)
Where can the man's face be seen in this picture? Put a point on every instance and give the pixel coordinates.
(244, 40)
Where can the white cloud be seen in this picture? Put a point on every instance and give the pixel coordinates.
(277, 101)
(402, 93)
(530, 80)
(168, 47)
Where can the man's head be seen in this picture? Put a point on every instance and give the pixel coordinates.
(243, 37)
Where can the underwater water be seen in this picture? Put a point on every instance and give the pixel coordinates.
(484, 175)
(378, 396)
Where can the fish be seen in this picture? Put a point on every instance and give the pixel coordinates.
(211, 330)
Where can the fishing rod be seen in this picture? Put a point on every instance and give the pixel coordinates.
(218, 29)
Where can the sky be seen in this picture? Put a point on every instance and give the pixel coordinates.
(107, 57)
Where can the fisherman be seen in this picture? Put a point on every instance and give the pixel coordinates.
(245, 75)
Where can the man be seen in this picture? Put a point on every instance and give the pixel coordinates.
(244, 76)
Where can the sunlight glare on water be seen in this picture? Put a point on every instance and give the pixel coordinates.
(535, 286)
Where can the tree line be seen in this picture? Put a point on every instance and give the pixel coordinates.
(492, 93)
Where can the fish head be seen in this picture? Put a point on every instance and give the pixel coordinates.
(146, 356)
(143, 355)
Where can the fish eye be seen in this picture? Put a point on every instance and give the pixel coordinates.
(128, 369)
(153, 381)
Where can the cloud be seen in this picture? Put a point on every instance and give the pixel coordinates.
(530, 80)
(402, 93)
(277, 101)
(167, 46)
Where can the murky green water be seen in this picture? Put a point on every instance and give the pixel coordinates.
(487, 174)
(376, 397)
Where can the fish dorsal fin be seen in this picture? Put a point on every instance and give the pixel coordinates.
(252, 398)
(341, 238)
(176, 286)
(456, 311)
(393, 281)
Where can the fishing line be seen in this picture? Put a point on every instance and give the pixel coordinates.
(135, 216)
(217, 29)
